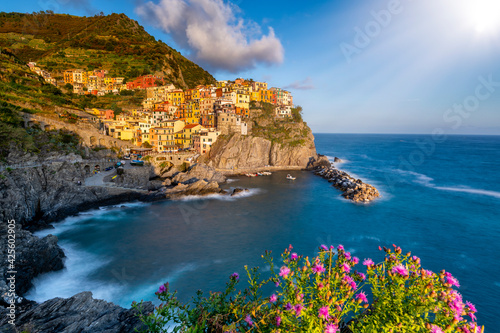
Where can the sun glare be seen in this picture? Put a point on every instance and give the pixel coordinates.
(486, 15)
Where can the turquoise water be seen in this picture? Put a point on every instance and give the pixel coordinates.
(441, 201)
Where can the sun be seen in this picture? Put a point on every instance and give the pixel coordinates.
(485, 15)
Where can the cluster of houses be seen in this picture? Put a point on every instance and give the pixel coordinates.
(96, 82)
(172, 118)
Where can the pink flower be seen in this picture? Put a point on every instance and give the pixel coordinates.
(162, 289)
(248, 319)
(362, 297)
(284, 271)
(436, 329)
(318, 269)
(456, 305)
(294, 256)
(428, 273)
(340, 248)
(331, 328)
(348, 255)
(345, 267)
(471, 307)
(349, 280)
(451, 280)
(288, 306)
(278, 321)
(362, 276)
(273, 298)
(324, 247)
(401, 270)
(323, 312)
(298, 309)
(368, 262)
(235, 276)
(355, 260)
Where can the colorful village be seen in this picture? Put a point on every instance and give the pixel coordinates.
(172, 119)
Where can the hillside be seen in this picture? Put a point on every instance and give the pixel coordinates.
(114, 42)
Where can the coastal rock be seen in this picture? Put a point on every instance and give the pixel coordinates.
(337, 160)
(354, 189)
(248, 152)
(33, 256)
(199, 172)
(36, 196)
(200, 187)
(80, 313)
(238, 190)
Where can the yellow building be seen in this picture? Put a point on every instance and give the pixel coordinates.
(68, 76)
(255, 96)
(184, 138)
(175, 97)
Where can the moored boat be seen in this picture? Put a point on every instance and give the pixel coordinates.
(137, 162)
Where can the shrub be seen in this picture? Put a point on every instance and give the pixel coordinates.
(324, 294)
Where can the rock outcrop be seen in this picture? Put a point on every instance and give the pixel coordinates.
(33, 256)
(247, 152)
(354, 189)
(36, 196)
(200, 179)
(199, 172)
(80, 313)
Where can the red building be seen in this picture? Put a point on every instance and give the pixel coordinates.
(146, 81)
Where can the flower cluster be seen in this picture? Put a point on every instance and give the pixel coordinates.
(325, 293)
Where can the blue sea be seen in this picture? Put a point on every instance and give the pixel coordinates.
(440, 200)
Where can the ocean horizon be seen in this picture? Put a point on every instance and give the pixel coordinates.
(440, 199)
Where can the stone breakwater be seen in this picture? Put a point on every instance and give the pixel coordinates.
(354, 189)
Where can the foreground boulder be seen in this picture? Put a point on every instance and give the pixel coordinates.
(80, 313)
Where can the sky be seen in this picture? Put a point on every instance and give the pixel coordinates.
(379, 66)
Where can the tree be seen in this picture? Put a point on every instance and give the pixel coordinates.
(297, 113)
(146, 144)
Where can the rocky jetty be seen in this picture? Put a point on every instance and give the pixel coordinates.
(354, 189)
(80, 313)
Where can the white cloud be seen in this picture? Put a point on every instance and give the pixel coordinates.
(217, 38)
(305, 84)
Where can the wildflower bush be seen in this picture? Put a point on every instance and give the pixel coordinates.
(324, 294)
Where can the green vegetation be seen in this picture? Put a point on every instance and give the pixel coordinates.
(326, 293)
(285, 131)
(113, 42)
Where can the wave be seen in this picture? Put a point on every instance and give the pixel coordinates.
(332, 158)
(420, 178)
(106, 213)
(362, 237)
(232, 180)
(74, 278)
(470, 190)
(222, 197)
(429, 182)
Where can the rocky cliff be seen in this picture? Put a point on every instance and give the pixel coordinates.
(34, 196)
(285, 145)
